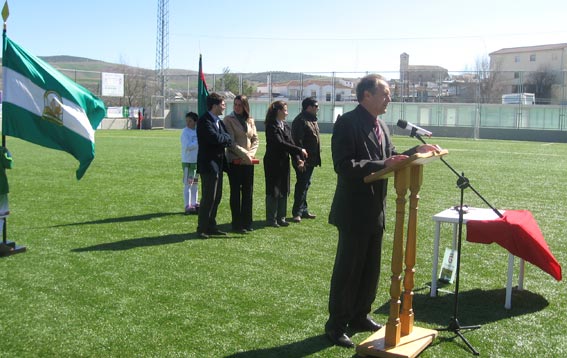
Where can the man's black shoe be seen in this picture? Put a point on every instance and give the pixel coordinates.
(250, 228)
(364, 325)
(308, 216)
(240, 231)
(283, 223)
(216, 232)
(202, 235)
(339, 339)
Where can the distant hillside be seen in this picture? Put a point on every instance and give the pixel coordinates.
(64, 58)
(277, 76)
(80, 63)
(88, 64)
(86, 71)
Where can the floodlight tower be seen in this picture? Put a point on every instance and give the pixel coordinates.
(162, 45)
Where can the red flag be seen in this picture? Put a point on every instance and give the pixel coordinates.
(518, 232)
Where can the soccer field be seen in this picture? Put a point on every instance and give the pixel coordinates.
(113, 267)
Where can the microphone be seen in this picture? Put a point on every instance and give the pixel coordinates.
(413, 128)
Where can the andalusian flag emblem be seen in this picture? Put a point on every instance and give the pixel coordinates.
(45, 107)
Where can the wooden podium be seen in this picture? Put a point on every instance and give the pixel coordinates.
(399, 338)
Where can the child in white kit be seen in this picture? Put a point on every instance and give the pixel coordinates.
(189, 148)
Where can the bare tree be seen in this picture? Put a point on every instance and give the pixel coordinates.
(540, 83)
(138, 84)
(135, 86)
(488, 78)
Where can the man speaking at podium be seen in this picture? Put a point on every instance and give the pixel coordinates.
(360, 146)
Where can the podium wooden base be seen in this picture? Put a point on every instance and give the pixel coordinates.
(409, 346)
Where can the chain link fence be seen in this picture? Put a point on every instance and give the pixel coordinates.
(428, 97)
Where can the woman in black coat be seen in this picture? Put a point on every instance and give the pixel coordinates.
(279, 147)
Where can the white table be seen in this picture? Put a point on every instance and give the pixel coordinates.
(452, 216)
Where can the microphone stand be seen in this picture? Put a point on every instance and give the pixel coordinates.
(462, 183)
(460, 177)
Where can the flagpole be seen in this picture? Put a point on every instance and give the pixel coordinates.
(7, 248)
(5, 14)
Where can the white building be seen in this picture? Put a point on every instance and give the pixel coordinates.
(322, 89)
(536, 69)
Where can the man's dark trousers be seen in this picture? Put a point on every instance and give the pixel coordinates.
(211, 194)
(300, 194)
(355, 276)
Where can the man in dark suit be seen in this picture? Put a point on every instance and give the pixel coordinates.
(213, 138)
(305, 133)
(360, 145)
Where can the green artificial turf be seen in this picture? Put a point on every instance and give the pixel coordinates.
(113, 267)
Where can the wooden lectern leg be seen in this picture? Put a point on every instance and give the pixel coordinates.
(393, 327)
(407, 314)
(400, 338)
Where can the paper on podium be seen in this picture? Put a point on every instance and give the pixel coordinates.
(415, 159)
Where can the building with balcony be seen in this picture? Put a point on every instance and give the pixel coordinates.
(532, 69)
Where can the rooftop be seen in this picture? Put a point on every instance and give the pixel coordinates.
(530, 49)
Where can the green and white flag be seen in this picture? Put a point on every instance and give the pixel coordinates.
(203, 92)
(45, 107)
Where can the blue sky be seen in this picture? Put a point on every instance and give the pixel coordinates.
(302, 36)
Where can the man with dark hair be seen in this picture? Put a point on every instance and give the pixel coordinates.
(305, 133)
(360, 145)
(213, 138)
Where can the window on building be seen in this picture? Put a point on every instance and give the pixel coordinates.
(328, 97)
(314, 94)
(516, 74)
(517, 58)
(532, 58)
(338, 97)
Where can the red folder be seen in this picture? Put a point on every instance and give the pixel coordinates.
(238, 161)
(518, 232)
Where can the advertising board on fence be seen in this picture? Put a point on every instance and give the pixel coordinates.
(112, 84)
(115, 112)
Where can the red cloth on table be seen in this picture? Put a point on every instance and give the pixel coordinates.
(518, 232)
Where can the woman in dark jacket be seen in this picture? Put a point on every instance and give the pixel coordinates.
(279, 147)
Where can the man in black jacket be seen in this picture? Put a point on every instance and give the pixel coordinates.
(213, 138)
(305, 134)
(360, 145)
